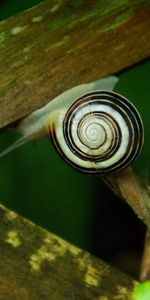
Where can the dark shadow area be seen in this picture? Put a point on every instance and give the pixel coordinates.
(117, 235)
(135, 65)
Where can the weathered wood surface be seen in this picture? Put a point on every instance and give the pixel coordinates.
(59, 44)
(131, 188)
(35, 265)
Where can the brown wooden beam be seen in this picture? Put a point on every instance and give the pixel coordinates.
(59, 44)
(35, 264)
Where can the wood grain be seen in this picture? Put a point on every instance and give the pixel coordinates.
(35, 265)
(59, 44)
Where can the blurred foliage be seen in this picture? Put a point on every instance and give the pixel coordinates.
(142, 291)
(38, 184)
(11, 7)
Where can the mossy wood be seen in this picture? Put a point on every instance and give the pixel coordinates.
(59, 44)
(35, 265)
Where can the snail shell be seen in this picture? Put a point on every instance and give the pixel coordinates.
(101, 132)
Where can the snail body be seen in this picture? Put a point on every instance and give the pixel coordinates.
(32, 127)
(95, 130)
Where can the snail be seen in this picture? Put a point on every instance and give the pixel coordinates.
(94, 129)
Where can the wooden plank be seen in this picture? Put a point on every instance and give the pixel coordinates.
(35, 264)
(59, 44)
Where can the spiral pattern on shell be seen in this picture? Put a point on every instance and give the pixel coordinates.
(101, 132)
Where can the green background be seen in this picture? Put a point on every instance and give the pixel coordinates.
(38, 184)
